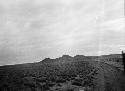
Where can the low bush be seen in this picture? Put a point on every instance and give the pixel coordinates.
(76, 83)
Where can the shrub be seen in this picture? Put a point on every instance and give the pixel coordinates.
(45, 87)
(60, 80)
(51, 84)
(76, 83)
(70, 89)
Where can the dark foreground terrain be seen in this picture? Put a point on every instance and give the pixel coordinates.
(79, 73)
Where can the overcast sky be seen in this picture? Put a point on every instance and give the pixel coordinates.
(31, 30)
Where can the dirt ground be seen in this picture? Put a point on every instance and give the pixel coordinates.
(109, 78)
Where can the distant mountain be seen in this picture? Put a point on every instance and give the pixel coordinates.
(67, 58)
(64, 58)
(46, 60)
(111, 57)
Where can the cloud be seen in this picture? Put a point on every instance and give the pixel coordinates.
(34, 29)
(114, 25)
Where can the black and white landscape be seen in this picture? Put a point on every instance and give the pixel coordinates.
(62, 45)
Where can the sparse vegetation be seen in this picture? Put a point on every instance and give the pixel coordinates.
(53, 76)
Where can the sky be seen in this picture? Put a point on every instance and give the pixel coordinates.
(31, 30)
